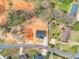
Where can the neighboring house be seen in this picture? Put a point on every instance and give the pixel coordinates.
(73, 11)
(35, 30)
(65, 33)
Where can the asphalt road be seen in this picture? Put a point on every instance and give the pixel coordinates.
(53, 50)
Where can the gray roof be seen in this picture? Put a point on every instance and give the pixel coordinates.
(65, 33)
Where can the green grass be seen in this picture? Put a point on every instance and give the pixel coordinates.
(74, 36)
(76, 26)
(73, 49)
(67, 48)
(16, 17)
(4, 52)
(62, 47)
(65, 1)
(63, 6)
(61, 21)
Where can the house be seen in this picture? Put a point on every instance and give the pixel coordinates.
(73, 11)
(35, 30)
(65, 33)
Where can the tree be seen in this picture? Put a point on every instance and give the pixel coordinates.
(76, 26)
(42, 10)
(16, 17)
